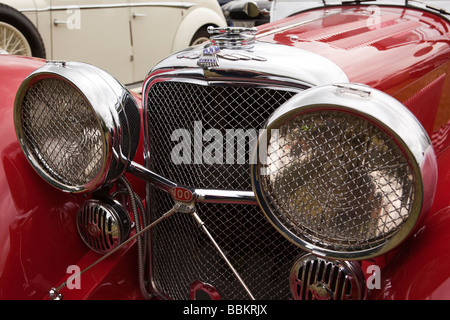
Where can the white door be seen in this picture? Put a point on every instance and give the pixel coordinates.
(154, 24)
(95, 32)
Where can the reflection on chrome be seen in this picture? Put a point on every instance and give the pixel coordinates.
(338, 179)
(62, 131)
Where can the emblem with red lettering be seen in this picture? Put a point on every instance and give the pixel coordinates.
(182, 194)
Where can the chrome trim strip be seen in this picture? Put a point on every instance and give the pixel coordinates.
(209, 77)
(182, 5)
(225, 196)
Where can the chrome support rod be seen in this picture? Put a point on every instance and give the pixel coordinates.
(54, 292)
(200, 195)
(202, 226)
(151, 177)
(225, 196)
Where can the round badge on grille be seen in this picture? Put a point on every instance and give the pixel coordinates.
(314, 278)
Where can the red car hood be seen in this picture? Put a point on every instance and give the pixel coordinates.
(402, 51)
(381, 49)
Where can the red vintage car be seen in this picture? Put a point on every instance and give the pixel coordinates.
(306, 159)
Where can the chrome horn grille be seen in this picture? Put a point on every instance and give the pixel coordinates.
(103, 225)
(314, 278)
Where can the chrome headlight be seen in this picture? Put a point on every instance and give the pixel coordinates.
(78, 127)
(344, 171)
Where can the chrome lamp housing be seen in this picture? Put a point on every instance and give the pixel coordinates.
(77, 125)
(344, 171)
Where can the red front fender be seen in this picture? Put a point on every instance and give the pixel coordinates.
(38, 235)
(420, 270)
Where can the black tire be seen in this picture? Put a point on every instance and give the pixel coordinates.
(201, 35)
(19, 21)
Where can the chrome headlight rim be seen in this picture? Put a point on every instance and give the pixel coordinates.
(355, 99)
(106, 98)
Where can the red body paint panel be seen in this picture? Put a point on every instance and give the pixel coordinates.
(38, 234)
(405, 53)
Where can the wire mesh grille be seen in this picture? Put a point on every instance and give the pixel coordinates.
(61, 132)
(337, 181)
(181, 252)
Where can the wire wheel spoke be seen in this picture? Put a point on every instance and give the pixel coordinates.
(13, 41)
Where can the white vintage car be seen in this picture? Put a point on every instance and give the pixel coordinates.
(125, 37)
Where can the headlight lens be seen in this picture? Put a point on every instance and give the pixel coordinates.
(335, 178)
(338, 179)
(78, 127)
(62, 133)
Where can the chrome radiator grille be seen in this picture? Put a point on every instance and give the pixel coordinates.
(181, 253)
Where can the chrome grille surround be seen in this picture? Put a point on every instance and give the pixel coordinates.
(315, 278)
(208, 107)
(181, 254)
